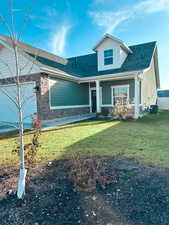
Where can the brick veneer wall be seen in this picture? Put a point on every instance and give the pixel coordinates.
(50, 114)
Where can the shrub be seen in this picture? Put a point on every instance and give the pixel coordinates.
(86, 173)
(105, 112)
(98, 114)
(31, 148)
(122, 112)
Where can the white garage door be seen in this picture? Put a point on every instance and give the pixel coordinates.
(163, 103)
(8, 110)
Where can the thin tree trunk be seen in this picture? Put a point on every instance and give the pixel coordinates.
(22, 175)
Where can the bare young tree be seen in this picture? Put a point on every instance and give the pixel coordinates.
(16, 98)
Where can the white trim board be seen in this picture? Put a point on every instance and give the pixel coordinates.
(90, 96)
(107, 105)
(69, 106)
(21, 83)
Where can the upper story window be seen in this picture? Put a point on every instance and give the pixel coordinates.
(108, 57)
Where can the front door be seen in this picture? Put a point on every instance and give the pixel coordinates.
(93, 100)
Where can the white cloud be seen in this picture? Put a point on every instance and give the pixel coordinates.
(110, 20)
(152, 6)
(58, 40)
(57, 27)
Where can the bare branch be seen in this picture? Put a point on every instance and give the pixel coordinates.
(33, 62)
(7, 65)
(23, 67)
(3, 20)
(9, 124)
(10, 97)
(29, 116)
(27, 100)
(26, 19)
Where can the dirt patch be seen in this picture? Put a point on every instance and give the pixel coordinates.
(139, 197)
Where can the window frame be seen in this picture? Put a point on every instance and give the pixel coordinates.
(120, 86)
(108, 57)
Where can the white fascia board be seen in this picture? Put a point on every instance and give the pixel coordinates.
(116, 76)
(111, 76)
(153, 54)
(148, 68)
(59, 74)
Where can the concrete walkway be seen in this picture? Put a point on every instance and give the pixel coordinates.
(68, 121)
(51, 124)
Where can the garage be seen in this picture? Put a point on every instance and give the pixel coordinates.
(163, 99)
(8, 110)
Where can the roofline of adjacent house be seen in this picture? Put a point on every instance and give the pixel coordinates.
(115, 39)
(163, 89)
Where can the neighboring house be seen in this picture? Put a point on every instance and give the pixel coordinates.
(163, 99)
(65, 87)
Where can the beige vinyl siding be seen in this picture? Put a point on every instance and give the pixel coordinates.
(7, 64)
(149, 87)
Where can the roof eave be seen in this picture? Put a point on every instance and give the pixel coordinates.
(130, 74)
(58, 74)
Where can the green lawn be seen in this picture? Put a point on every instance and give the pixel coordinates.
(146, 140)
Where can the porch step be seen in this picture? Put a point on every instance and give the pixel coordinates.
(65, 121)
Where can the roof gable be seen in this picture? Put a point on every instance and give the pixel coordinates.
(108, 36)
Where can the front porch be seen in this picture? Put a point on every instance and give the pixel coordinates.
(106, 94)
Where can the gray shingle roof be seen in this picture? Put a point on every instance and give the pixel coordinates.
(140, 59)
(86, 65)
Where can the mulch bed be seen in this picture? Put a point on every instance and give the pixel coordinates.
(139, 197)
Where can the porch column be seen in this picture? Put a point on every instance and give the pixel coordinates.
(137, 98)
(98, 95)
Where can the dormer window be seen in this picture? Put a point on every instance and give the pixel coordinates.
(108, 57)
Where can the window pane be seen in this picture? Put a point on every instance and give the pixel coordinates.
(108, 53)
(121, 91)
(120, 101)
(108, 61)
(120, 95)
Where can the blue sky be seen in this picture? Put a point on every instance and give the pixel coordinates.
(72, 27)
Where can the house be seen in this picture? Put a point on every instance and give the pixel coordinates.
(163, 99)
(66, 87)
